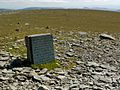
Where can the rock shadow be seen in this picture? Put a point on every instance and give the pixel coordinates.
(19, 63)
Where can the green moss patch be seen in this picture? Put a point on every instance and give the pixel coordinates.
(49, 66)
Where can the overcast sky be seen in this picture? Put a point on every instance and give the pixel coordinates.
(15, 4)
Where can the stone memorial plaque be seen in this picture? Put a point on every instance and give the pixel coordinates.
(40, 48)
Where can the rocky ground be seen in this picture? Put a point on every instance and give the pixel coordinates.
(93, 60)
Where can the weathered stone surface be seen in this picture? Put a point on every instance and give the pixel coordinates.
(58, 88)
(43, 71)
(105, 79)
(4, 78)
(37, 78)
(82, 33)
(4, 58)
(73, 86)
(27, 24)
(61, 73)
(12, 87)
(21, 78)
(17, 69)
(69, 54)
(42, 87)
(44, 78)
(105, 36)
(61, 77)
(92, 64)
(2, 64)
(5, 71)
(79, 62)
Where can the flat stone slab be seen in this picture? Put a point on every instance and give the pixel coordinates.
(105, 36)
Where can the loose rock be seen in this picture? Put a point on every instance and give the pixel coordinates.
(105, 36)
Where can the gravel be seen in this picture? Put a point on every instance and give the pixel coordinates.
(94, 64)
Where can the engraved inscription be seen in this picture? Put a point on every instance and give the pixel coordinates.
(42, 50)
